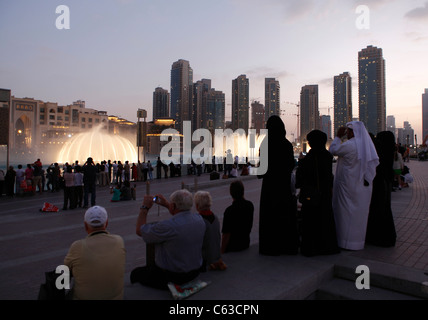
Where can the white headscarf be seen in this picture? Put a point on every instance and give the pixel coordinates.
(366, 150)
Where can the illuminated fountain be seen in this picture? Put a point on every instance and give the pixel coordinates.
(100, 146)
(241, 145)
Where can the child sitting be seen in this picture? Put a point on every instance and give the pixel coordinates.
(116, 193)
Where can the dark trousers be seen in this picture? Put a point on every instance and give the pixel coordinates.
(69, 198)
(89, 189)
(155, 277)
(78, 191)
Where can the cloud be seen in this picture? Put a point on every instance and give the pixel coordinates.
(373, 4)
(420, 13)
(328, 82)
(266, 72)
(295, 10)
(415, 37)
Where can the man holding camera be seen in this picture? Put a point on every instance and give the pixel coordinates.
(178, 242)
(89, 182)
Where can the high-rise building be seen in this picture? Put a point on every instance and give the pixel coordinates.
(342, 100)
(272, 98)
(181, 92)
(325, 125)
(309, 110)
(425, 114)
(390, 124)
(200, 108)
(372, 101)
(240, 103)
(258, 119)
(215, 110)
(405, 135)
(160, 104)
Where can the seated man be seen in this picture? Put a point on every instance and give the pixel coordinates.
(237, 221)
(178, 242)
(97, 262)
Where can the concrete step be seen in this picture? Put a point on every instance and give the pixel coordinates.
(408, 281)
(197, 185)
(341, 289)
(250, 276)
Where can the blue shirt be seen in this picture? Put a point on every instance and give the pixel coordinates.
(178, 241)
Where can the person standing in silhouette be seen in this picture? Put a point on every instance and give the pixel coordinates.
(380, 226)
(89, 182)
(278, 206)
(314, 177)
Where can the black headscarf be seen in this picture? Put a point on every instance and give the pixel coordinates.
(276, 128)
(317, 139)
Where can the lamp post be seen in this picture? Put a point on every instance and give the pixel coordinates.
(416, 144)
(138, 136)
(141, 113)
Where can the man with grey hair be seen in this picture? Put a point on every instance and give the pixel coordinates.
(178, 241)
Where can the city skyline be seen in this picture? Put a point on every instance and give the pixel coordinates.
(117, 52)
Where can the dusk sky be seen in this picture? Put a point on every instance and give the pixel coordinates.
(117, 52)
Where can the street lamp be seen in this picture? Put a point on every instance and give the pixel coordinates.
(141, 113)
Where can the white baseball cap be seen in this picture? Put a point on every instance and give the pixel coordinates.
(96, 216)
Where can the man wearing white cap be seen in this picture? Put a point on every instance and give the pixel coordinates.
(97, 262)
(352, 189)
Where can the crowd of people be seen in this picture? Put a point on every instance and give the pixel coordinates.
(36, 179)
(341, 210)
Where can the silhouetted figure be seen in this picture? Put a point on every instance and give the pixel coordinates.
(278, 206)
(314, 177)
(380, 226)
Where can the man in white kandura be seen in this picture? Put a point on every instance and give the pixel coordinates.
(352, 189)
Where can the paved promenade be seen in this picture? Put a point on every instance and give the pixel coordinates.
(410, 210)
(32, 242)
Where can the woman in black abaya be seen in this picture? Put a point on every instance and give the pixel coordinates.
(314, 177)
(278, 222)
(380, 226)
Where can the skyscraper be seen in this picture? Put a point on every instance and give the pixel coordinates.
(342, 100)
(200, 108)
(372, 102)
(215, 110)
(160, 103)
(424, 114)
(309, 110)
(405, 135)
(325, 125)
(390, 124)
(258, 119)
(240, 103)
(272, 98)
(181, 92)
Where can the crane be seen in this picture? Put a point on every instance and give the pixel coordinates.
(298, 116)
